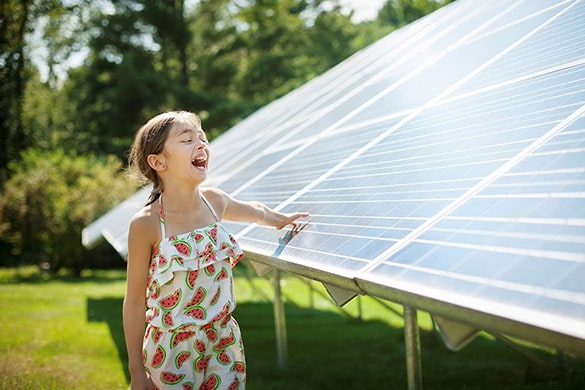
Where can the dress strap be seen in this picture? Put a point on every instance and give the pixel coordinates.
(210, 208)
(161, 216)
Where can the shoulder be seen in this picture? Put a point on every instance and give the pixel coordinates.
(145, 223)
(143, 236)
(218, 198)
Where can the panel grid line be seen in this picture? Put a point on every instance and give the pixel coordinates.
(524, 220)
(553, 255)
(498, 85)
(574, 297)
(392, 129)
(475, 189)
(402, 59)
(371, 101)
(531, 236)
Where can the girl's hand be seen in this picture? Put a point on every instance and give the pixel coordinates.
(282, 220)
(149, 383)
(141, 382)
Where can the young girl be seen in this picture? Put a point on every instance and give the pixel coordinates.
(180, 260)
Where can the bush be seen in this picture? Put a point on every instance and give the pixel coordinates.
(50, 197)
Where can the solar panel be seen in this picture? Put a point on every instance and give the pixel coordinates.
(113, 226)
(515, 249)
(443, 167)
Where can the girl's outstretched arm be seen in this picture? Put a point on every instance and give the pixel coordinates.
(251, 211)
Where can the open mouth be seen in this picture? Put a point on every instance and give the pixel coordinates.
(200, 162)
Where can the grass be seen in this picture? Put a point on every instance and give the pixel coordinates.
(65, 333)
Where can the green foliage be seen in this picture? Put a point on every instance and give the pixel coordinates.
(50, 197)
(399, 13)
(330, 36)
(275, 38)
(13, 17)
(117, 87)
(106, 102)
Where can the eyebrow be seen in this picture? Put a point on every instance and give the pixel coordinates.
(185, 130)
(190, 130)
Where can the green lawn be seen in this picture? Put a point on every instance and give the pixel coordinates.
(65, 333)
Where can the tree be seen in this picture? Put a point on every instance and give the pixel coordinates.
(13, 24)
(399, 13)
(250, 53)
(22, 23)
(332, 38)
(172, 33)
(218, 48)
(118, 85)
(50, 197)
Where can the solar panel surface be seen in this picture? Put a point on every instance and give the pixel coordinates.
(443, 167)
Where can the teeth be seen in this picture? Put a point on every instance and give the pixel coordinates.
(199, 161)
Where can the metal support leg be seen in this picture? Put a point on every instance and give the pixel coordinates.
(412, 343)
(279, 323)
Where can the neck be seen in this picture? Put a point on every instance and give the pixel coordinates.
(176, 197)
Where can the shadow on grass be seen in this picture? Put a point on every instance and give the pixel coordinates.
(109, 310)
(328, 350)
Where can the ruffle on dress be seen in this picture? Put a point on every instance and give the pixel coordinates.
(191, 252)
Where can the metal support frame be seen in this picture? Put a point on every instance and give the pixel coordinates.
(412, 344)
(411, 331)
(279, 323)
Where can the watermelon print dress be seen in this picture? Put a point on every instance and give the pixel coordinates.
(191, 340)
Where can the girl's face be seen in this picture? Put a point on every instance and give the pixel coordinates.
(186, 150)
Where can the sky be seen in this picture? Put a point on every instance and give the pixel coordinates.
(363, 9)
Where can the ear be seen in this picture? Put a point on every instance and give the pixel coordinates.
(156, 162)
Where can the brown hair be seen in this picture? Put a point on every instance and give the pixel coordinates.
(150, 139)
